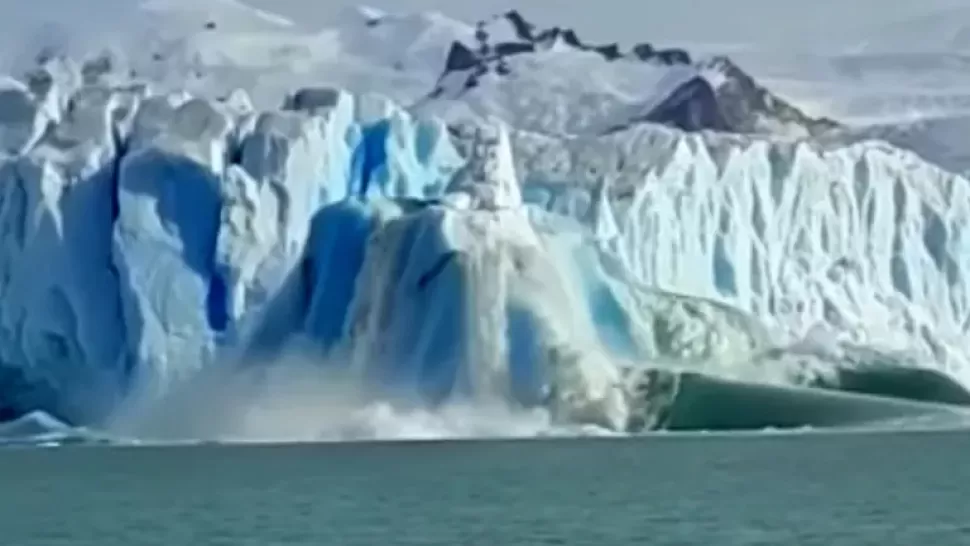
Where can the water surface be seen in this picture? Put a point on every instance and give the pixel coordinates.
(831, 489)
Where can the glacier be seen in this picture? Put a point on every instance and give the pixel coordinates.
(157, 243)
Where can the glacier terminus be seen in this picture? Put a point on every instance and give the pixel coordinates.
(436, 244)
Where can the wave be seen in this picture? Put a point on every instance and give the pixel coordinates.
(704, 402)
(298, 399)
(297, 402)
(39, 428)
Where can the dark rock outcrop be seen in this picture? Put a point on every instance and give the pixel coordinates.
(460, 58)
(694, 106)
(523, 29)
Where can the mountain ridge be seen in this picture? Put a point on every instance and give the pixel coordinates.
(442, 64)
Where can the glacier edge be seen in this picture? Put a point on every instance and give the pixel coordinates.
(150, 237)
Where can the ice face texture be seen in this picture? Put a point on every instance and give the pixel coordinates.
(147, 236)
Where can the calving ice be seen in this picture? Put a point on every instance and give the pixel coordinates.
(169, 254)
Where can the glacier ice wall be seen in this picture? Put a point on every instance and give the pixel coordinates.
(856, 245)
(140, 229)
(61, 320)
(148, 236)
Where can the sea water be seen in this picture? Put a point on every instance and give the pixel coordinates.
(803, 489)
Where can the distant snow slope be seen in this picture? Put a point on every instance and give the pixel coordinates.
(943, 30)
(824, 66)
(545, 79)
(769, 25)
(939, 140)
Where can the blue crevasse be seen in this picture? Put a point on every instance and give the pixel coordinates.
(250, 222)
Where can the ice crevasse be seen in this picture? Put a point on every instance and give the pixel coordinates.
(149, 236)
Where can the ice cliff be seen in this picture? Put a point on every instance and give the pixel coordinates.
(140, 229)
(149, 236)
(865, 242)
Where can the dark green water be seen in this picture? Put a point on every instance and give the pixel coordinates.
(841, 489)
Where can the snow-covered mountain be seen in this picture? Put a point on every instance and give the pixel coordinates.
(511, 58)
(504, 67)
(247, 251)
